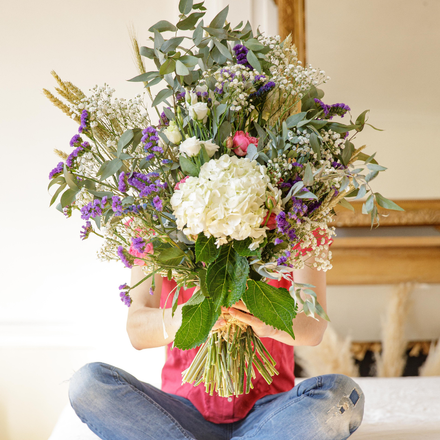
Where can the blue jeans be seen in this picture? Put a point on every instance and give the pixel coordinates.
(117, 406)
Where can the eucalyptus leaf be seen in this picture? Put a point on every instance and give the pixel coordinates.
(145, 77)
(223, 50)
(181, 69)
(161, 96)
(163, 26)
(254, 45)
(308, 175)
(168, 66)
(171, 44)
(346, 204)
(189, 22)
(70, 180)
(198, 34)
(253, 61)
(124, 140)
(68, 197)
(314, 143)
(386, 203)
(252, 152)
(375, 167)
(57, 193)
(109, 168)
(293, 120)
(219, 20)
(188, 167)
(147, 52)
(185, 6)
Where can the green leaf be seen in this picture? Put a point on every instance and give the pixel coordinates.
(254, 44)
(226, 277)
(370, 176)
(366, 158)
(181, 69)
(167, 67)
(197, 321)
(109, 168)
(219, 20)
(368, 206)
(375, 167)
(68, 197)
(171, 44)
(224, 131)
(361, 118)
(347, 205)
(386, 203)
(185, 6)
(308, 175)
(306, 195)
(57, 193)
(163, 26)
(124, 140)
(189, 60)
(223, 50)
(314, 143)
(161, 96)
(171, 256)
(220, 34)
(362, 192)
(198, 34)
(242, 248)
(202, 281)
(275, 307)
(69, 178)
(188, 167)
(347, 152)
(206, 250)
(147, 52)
(145, 77)
(189, 22)
(158, 41)
(253, 61)
(59, 179)
(293, 120)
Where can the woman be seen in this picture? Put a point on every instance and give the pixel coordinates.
(117, 406)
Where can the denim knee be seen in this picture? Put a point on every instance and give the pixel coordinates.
(87, 386)
(346, 408)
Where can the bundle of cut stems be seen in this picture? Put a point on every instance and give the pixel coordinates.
(226, 362)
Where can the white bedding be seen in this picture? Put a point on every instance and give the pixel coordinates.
(404, 408)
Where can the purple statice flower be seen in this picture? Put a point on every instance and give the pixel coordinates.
(180, 96)
(122, 182)
(125, 298)
(157, 203)
(338, 166)
(76, 139)
(278, 241)
(151, 291)
(139, 244)
(241, 55)
(57, 170)
(260, 78)
(123, 286)
(117, 205)
(162, 185)
(123, 256)
(163, 120)
(262, 91)
(91, 210)
(149, 157)
(147, 190)
(332, 110)
(150, 139)
(157, 149)
(282, 260)
(166, 161)
(86, 230)
(84, 118)
(103, 202)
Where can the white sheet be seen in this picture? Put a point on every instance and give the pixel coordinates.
(404, 408)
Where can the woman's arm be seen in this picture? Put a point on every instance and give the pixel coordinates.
(308, 331)
(146, 321)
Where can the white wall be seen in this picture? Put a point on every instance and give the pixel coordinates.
(59, 306)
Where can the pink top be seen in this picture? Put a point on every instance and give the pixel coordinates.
(220, 409)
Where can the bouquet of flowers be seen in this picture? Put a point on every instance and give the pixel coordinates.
(234, 184)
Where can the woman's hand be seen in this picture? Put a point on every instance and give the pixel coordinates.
(239, 311)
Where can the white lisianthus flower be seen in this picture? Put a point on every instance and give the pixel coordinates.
(190, 146)
(199, 111)
(226, 201)
(172, 133)
(210, 147)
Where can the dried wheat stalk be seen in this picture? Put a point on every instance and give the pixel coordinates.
(431, 367)
(332, 356)
(391, 362)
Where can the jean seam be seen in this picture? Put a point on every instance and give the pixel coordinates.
(89, 424)
(116, 377)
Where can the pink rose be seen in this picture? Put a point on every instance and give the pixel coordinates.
(242, 141)
(179, 183)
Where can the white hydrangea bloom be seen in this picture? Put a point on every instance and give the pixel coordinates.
(226, 201)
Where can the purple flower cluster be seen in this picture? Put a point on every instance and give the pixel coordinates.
(57, 170)
(122, 182)
(93, 209)
(241, 55)
(117, 205)
(284, 226)
(143, 183)
(124, 295)
(76, 152)
(338, 166)
(157, 203)
(139, 244)
(278, 241)
(282, 260)
(84, 118)
(163, 120)
(76, 139)
(180, 96)
(86, 230)
(332, 110)
(262, 91)
(151, 141)
(126, 258)
(259, 78)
